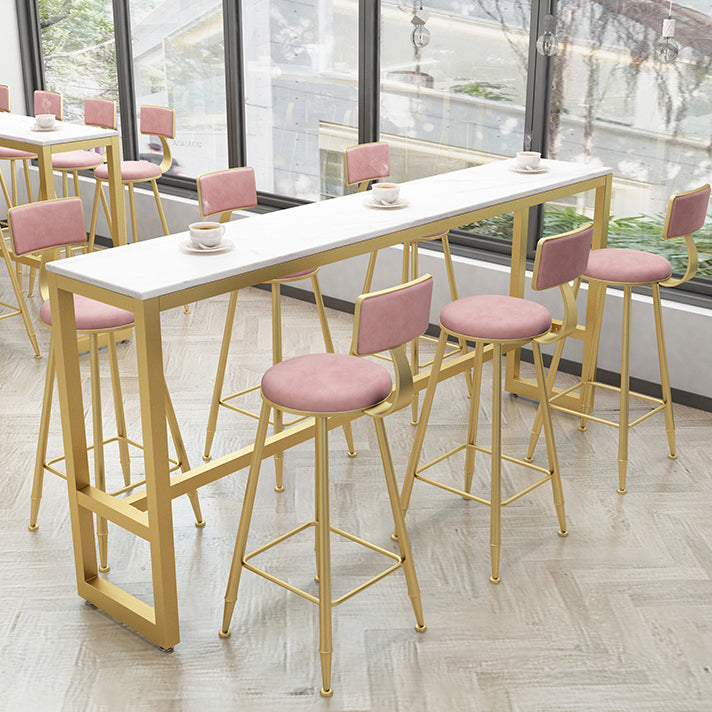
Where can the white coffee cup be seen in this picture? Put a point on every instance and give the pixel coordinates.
(45, 121)
(385, 193)
(206, 234)
(527, 160)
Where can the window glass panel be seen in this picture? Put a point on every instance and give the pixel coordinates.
(301, 106)
(615, 104)
(78, 51)
(178, 53)
(453, 85)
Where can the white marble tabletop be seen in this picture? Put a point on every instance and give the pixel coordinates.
(17, 127)
(161, 266)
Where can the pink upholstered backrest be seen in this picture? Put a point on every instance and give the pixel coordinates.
(100, 112)
(686, 212)
(366, 162)
(4, 97)
(562, 258)
(158, 120)
(49, 102)
(50, 223)
(223, 191)
(391, 317)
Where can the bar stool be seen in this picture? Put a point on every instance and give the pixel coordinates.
(505, 323)
(46, 227)
(362, 165)
(97, 112)
(627, 268)
(221, 193)
(13, 155)
(156, 121)
(338, 385)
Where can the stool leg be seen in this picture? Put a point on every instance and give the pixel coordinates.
(551, 377)
(324, 555)
(277, 358)
(664, 374)
(132, 210)
(419, 437)
(329, 346)
(13, 181)
(124, 458)
(65, 184)
(625, 393)
(42, 438)
(28, 185)
(76, 183)
(369, 273)
(5, 191)
(399, 523)
(473, 420)
(102, 531)
(161, 214)
(182, 455)
(243, 529)
(220, 376)
(94, 217)
(550, 441)
(496, 484)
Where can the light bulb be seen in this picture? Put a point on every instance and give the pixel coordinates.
(420, 36)
(666, 50)
(548, 42)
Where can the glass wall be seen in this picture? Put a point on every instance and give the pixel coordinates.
(79, 51)
(179, 61)
(301, 86)
(615, 103)
(454, 80)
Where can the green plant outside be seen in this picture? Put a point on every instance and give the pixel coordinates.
(640, 232)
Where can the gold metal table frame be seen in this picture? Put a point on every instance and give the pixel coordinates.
(44, 144)
(148, 514)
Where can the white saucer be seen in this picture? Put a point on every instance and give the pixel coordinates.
(539, 169)
(371, 203)
(35, 127)
(224, 246)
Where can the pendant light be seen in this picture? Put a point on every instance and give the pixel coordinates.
(667, 48)
(420, 36)
(548, 43)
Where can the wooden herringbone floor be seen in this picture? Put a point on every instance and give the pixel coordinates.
(616, 617)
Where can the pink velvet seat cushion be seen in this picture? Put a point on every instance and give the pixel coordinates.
(493, 317)
(76, 159)
(91, 315)
(616, 265)
(326, 383)
(131, 170)
(15, 153)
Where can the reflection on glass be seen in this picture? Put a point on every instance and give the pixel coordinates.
(79, 52)
(179, 62)
(301, 93)
(614, 104)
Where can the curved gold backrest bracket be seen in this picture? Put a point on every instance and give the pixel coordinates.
(692, 264)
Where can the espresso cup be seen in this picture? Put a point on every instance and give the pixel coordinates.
(527, 160)
(206, 234)
(386, 193)
(45, 121)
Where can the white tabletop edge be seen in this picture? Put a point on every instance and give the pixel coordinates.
(157, 267)
(17, 127)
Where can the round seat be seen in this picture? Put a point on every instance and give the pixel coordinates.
(618, 265)
(297, 275)
(132, 170)
(326, 383)
(494, 317)
(15, 153)
(68, 160)
(91, 315)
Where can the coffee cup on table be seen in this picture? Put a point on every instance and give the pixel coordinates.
(527, 160)
(385, 193)
(45, 121)
(206, 234)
